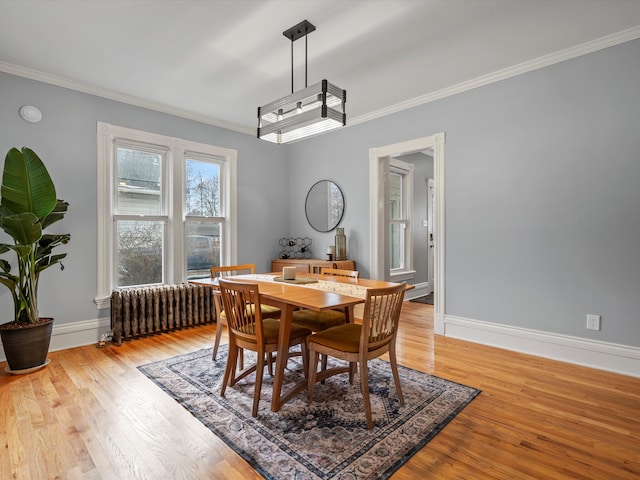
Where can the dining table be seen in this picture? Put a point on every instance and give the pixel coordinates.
(309, 291)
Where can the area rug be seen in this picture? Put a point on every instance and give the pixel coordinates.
(428, 299)
(327, 439)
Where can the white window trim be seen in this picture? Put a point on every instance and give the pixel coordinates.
(106, 135)
(406, 170)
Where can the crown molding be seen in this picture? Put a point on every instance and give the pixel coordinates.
(535, 64)
(119, 97)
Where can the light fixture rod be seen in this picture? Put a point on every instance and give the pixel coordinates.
(294, 33)
(305, 62)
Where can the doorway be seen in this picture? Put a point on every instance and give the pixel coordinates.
(379, 161)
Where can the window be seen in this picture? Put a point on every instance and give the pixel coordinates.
(204, 220)
(166, 209)
(139, 214)
(400, 214)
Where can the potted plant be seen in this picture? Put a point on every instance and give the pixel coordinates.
(28, 205)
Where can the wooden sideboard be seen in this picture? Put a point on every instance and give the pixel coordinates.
(311, 265)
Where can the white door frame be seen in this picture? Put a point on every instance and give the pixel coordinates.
(379, 244)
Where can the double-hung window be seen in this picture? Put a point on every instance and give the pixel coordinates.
(400, 225)
(166, 209)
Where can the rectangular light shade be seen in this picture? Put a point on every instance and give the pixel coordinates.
(316, 109)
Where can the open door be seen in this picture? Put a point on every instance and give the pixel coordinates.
(430, 233)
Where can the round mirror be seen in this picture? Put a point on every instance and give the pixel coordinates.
(324, 206)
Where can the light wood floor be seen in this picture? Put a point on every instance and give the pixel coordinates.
(90, 414)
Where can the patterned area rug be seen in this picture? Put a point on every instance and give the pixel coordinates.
(327, 439)
(428, 299)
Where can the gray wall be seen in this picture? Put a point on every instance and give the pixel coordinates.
(542, 201)
(542, 195)
(66, 141)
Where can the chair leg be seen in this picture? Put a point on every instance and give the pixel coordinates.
(325, 358)
(364, 385)
(353, 369)
(313, 370)
(258, 388)
(229, 372)
(305, 359)
(394, 370)
(216, 343)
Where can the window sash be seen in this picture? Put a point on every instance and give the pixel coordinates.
(401, 214)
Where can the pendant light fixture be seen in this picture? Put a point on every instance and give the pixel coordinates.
(307, 112)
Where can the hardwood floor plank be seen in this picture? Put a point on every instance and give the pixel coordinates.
(91, 414)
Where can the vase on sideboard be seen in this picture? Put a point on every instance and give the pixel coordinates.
(341, 244)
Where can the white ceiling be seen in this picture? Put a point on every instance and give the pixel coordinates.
(216, 61)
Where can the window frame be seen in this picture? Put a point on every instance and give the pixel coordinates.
(177, 151)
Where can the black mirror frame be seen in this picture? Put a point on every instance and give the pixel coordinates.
(331, 227)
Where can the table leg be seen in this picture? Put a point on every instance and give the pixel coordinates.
(349, 314)
(282, 355)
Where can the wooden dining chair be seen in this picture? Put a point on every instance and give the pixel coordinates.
(248, 330)
(359, 343)
(229, 271)
(318, 321)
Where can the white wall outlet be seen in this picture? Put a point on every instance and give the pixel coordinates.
(593, 322)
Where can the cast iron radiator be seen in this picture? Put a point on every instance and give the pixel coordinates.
(147, 310)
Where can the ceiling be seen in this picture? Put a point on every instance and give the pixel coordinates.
(216, 61)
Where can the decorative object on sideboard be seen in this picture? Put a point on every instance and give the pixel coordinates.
(313, 110)
(331, 252)
(341, 244)
(295, 248)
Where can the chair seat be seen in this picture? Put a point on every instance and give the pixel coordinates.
(345, 338)
(318, 321)
(271, 328)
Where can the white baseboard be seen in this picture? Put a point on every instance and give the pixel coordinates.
(70, 335)
(611, 357)
(580, 351)
(419, 290)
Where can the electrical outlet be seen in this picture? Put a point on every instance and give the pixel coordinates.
(593, 322)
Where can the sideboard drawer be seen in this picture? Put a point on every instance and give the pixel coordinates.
(310, 265)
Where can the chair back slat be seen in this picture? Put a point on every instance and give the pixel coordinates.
(231, 270)
(381, 315)
(241, 302)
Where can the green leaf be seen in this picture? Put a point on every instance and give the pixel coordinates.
(24, 228)
(5, 266)
(26, 184)
(57, 214)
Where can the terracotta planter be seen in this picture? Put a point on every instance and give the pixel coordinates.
(26, 346)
